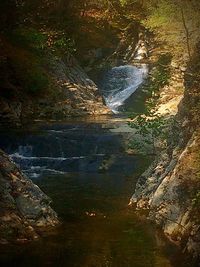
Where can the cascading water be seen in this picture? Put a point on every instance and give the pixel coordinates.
(65, 148)
(121, 82)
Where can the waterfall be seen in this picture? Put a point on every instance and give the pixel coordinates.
(121, 82)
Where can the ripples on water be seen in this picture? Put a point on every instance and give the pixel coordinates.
(86, 171)
(90, 177)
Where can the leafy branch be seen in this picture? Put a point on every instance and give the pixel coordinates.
(151, 126)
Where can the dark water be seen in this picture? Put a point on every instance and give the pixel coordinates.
(84, 168)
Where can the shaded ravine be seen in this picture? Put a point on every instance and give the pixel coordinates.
(83, 166)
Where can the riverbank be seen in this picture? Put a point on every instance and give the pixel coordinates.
(41, 80)
(84, 168)
(169, 188)
(25, 210)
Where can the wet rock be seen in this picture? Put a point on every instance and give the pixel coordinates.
(22, 205)
(27, 207)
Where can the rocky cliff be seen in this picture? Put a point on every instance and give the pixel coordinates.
(170, 188)
(45, 84)
(25, 210)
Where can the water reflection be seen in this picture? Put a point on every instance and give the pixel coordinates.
(98, 229)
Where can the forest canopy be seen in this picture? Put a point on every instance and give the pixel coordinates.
(176, 21)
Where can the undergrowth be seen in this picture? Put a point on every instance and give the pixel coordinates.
(152, 126)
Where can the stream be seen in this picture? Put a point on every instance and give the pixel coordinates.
(84, 167)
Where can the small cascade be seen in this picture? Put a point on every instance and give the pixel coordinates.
(25, 150)
(67, 149)
(121, 82)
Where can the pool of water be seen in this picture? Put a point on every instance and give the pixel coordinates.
(86, 171)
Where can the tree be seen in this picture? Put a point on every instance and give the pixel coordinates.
(176, 22)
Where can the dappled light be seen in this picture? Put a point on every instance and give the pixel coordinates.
(99, 133)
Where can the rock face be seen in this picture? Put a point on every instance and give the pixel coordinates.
(170, 188)
(172, 94)
(24, 209)
(79, 94)
(68, 91)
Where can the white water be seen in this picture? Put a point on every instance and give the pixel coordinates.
(123, 81)
(35, 166)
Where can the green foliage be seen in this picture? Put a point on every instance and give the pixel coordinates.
(30, 37)
(150, 128)
(29, 45)
(39, 41)
(65, 44)
(151, 125)
(176, 22)
(160, 74)
(162, 13)
(158, 77)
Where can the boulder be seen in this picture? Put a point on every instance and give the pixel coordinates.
(25, 210)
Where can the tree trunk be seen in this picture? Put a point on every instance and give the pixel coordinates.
(186, 33)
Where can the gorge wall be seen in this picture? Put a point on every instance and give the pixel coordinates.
(49, 86)
(170, 188)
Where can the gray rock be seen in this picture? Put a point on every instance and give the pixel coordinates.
(23, 205)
